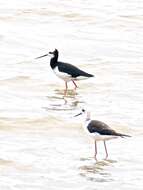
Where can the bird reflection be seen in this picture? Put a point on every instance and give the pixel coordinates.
(96, 171)
(57, 102)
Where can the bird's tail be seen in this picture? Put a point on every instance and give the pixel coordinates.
(86, 74)
(123, 135)
(90, 75)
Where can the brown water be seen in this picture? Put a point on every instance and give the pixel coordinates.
(42, 145)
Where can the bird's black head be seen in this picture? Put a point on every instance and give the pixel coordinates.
(83, 110)
(55, 53)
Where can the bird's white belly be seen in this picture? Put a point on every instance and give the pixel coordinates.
(98, 137)
(64, 76)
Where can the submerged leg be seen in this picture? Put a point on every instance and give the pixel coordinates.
(105, 150)
(65, 91)
(95, 151)
(74, 84)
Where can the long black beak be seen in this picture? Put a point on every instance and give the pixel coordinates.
(78, 114)
(42, 56)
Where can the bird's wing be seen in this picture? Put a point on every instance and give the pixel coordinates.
(99, 127)
(72, 70)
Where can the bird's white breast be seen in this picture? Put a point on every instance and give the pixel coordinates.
(66, 77)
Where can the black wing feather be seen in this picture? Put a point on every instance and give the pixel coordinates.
(72, 70)
(99, 127)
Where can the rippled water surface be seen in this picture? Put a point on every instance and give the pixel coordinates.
(42, 145)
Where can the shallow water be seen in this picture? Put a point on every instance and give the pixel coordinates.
(42, 145)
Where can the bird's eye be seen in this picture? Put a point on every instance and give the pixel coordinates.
(83, 110)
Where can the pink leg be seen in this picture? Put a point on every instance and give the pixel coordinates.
(106, 150)
(95, 151)
(74, 84)
(65, 91)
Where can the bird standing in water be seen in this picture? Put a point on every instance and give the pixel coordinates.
(99, 131)
(66, 71)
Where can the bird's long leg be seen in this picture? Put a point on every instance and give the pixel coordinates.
(65, 91)
(74, 84)
(95, 151)
(105, 150)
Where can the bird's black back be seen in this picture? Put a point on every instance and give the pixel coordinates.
(72, 70)
(96, 126)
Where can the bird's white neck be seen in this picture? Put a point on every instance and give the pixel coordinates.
(86, 121)
(87, 118)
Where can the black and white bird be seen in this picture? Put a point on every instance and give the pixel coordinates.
(99, 131)
(66, 71)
